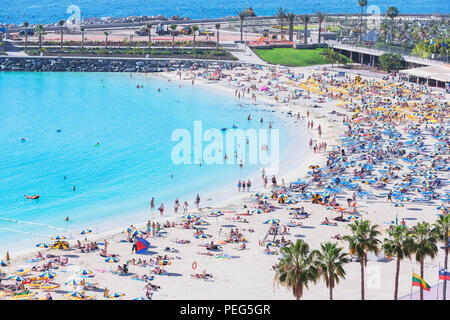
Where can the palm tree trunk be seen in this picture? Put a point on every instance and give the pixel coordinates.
(397, 274)
(444, 295)
(241, 30)
(193, 45)
(282, 29)
(362, 278)
(61, 46)
(306, 33)
(82, 40)
(421, 275)
(331, 285)
(26, 40)
(320, 31)
(360, 24)
(217, 44)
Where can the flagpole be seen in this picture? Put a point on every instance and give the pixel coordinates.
(437, 291)
(411, 285)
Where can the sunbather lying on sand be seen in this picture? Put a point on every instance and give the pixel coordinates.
(203, 275)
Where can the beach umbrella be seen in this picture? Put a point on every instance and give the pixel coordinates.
(272, 221)
(57, 238)
(316, 198)
(136, 233)
(85, 231)
(398, 205)
(76, 294)
(141, 245)
(257, 211)
(203, 236)
(115, 295)
(215, 213)
(17, 278)
(85, 273)
(47, 275)
(291, 201)
(141, 298)
(42, 245)
(4, 263)
(274, 195)
(111, 260)
(188, 217)
(129, 229)
(313, 166)
(294, 213)
(61, 245)
(352, 217)
(417, 190)
(74, 282)
(283, 196)
(404, 199)
(164, 263)
(271, 244)
(258, 194)
(442, 208)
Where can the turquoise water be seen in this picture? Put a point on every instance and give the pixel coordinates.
(115, 180)
(48, 11)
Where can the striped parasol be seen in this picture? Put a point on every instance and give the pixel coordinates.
(112, 260)
(316, 198)
(61, 245)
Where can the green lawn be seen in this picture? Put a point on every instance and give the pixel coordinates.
(293, 57)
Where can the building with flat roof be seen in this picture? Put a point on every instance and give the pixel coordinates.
(435, 76)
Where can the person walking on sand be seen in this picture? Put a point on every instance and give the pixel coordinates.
(197, 201)
(176, 206)
(161, 209)
(134, 247)
(249, 184)
(239, 185)
(265, 182)
(185, 207)
(274, 181)
(152, 203)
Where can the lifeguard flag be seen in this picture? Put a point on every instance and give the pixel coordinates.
(444, 274)
(142, 245)
(419, 282)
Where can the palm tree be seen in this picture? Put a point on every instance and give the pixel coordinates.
(384, 28)
(242, 15)
(173, 27)
(320, 18)
(296, 268)
(305, 19)
(281, 15)
(362, 241)
(82, 37)
(194, 30)
(106, 39)
(25, 25)
(362, 4)
(330, 261)
(399, 245)
(291, 18)
(217, 25)
(149, 30)
(40, 32)
(441, 227)
(424, 245)
(61, 29)
(392, 13)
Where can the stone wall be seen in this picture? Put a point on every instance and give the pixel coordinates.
(50, 64)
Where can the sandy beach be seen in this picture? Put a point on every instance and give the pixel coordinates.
(249, 273)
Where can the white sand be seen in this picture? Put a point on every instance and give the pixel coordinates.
(249, 274)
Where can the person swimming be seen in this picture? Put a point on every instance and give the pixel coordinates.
(66, 219)
(97, 144)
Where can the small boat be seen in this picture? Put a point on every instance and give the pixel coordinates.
(59, 130)
(234, 126)
(32, 197)
(224, 129)
(23, 139)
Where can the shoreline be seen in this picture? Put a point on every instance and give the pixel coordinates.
(220, 196)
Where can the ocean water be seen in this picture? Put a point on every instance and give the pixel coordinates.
(48, 11)
(116, 179)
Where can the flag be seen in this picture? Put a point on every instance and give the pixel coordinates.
(444, 274)
(419, 282)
